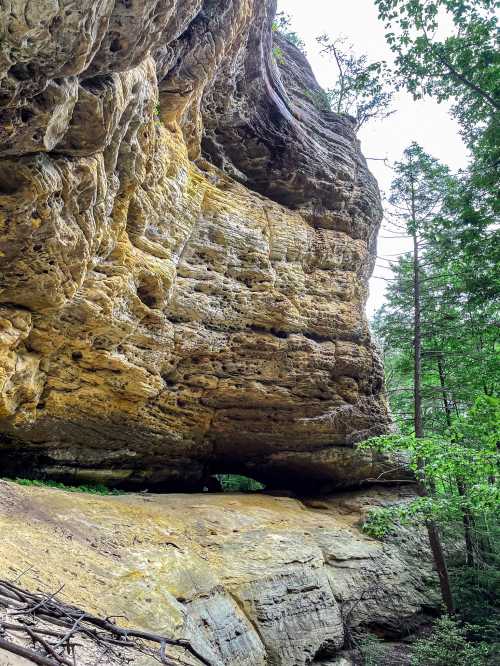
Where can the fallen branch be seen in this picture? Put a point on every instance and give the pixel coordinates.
(44, 600)
(74, 629)
(47, 647)
(14, 626)
(101, 631)
(26, 653)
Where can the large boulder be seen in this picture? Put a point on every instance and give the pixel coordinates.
(185, 245)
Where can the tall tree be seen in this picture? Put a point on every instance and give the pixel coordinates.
(417, 196)
(439, 329)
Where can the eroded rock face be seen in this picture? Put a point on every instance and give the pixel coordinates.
(185, 244)
(249, 580)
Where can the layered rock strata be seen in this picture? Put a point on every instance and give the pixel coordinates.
(185, 244)
(249, 580)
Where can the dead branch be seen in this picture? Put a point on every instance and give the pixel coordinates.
(74, 629)
(44, 600)
(14, 626)
(26, 653)
(23, 573)
(47, 647)
(103, 632)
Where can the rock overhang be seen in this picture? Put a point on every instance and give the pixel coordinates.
(186, 244)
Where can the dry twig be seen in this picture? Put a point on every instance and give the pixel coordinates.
(103, 632)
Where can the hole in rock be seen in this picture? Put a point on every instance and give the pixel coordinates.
(101, 342)
(325, 652)
(149, 290)
(21, 71)
(279, 334)
(115, 45)
(56, 22)
(96, 83)
(9, 182)
(26, 114)
(146, 297)
(77, 356)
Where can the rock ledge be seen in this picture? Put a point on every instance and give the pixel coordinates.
(248, 579)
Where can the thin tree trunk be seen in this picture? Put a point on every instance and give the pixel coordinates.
(468, 523)
(467, 519)
(440, 563)
(438, 555)
(432, 530)
(417, 337)
(442, 381)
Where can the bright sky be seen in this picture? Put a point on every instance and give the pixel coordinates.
(425, 121)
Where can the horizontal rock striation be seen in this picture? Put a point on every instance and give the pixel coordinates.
(249, 580)
(185, 244)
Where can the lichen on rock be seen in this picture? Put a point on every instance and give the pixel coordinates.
(185, 244)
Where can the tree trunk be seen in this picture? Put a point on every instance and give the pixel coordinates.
(442, 381)
(432, 530)
(468, 523)
(440, 564)
(467, 519)
(417, 339)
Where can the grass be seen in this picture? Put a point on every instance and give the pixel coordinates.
(234, 483)
(97, 489)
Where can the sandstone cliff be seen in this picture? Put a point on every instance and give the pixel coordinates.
(249, 580)
(185, 244)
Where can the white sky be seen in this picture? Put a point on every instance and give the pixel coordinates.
(423, 121)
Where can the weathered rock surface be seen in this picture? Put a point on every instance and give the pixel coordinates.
(248, 579)
(185, 243)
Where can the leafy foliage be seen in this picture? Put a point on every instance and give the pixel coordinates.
(447, 49)
(234, 483)
(282, 24)
(468, 453)
(319, 98)
(97, 489)
(360, 90)
(279, 56)
(477, 591)
(447, 645)
(381, 522)
(372, 650)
